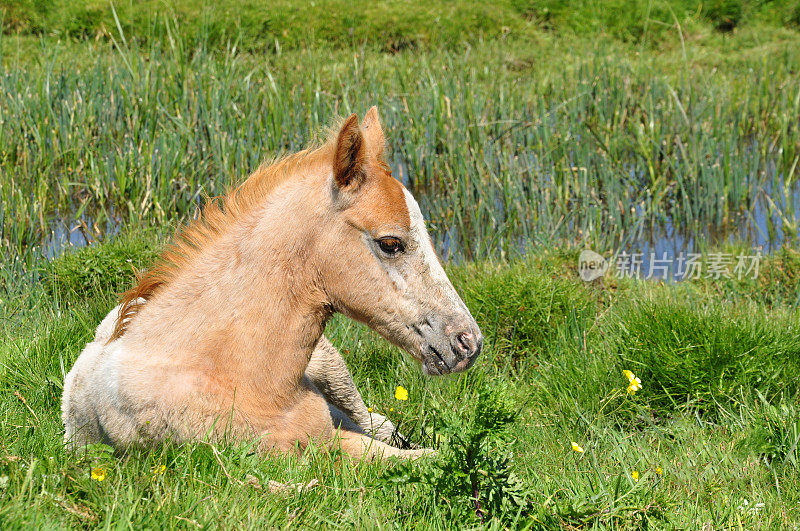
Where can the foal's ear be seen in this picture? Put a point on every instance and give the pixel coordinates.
(351, 155)
(373, 132)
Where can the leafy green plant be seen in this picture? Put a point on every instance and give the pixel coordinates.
(521, 314)
(473, 471)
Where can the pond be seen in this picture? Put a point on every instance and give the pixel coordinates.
(659, 251)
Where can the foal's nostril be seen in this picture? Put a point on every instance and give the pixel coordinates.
(465, 343)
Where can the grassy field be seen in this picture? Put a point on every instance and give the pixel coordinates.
(712, 434)
(390, 26)
(527, 130)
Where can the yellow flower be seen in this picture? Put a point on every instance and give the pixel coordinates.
(659, 471)
(369, 409)
(634, 383)
(98, 474)
(635, 475)
(391, 409)
(401, 393)
(576, 447)
(159, 469)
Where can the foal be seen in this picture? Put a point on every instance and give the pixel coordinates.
(223, 338)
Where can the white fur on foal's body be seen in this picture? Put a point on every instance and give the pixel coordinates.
(91, 391)
(96, 409)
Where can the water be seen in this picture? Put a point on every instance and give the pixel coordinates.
(770, 223)
(67, 233)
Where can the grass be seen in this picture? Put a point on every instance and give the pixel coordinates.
(527, 130)
(389, 26)
(717, 412)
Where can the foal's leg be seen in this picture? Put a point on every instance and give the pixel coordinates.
(313, 418)
(362, 446)
(328, 372)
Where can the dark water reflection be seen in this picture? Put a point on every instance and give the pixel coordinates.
(68, 232)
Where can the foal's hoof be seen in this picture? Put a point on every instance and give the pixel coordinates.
(383, 430)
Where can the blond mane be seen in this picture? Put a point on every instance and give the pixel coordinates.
(216, 216)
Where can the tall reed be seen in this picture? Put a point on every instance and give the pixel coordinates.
(499, 154)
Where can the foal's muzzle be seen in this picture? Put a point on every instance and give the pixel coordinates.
(450, 345)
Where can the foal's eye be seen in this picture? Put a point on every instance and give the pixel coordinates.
(391, 246)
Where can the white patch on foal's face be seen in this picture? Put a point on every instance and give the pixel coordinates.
(424, 245)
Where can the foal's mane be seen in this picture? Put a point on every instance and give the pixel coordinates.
(216, 216)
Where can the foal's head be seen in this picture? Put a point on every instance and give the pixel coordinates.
(378, 261)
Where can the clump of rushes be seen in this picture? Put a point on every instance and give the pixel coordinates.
(122, 142)
(472, 473)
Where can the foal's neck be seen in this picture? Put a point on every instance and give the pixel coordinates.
(248, 309)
